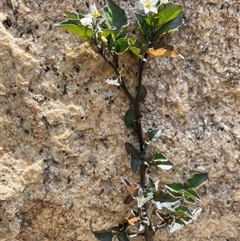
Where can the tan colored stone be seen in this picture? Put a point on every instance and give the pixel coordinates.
(62, 131)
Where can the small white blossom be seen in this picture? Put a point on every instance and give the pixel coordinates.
(91, 17)
(149, 5)
(86, 21)
(94, 12)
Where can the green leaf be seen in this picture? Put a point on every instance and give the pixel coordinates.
(171, 25)
(176, 225)
(137, 157)
(121, 36)
(191, 194)
(150, 183)
(197, 180)
(154, 135)
(123, 236)
(103, 235)
(165, 199)
(71, 15)
(137, 47)
(169, 12)
(136, 51)
(115, 17)
(183, 213)
(162, 162)
(143, 92)
(144, 27)
(135, 162)
(129, 148)
(75, 27)
(129, 118)
(120, 46)
(175, 187)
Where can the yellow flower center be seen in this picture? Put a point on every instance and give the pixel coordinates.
(96, 14)
(148, 5)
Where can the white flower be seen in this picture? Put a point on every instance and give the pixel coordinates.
(94, 12)
(149, 5)
(91, 17)
(86, 21)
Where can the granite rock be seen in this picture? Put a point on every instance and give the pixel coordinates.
(62, 135)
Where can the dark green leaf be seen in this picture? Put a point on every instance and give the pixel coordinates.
(135, 162)
(188, 198)
(75, 27)
(121, 36)
(171, 25)
(197, 180)
(115, 229)
(175, 187)
(154, 134)
(176, 194)
(129, 148)
(150, 183)
(137, 157)
(162, 162)
(120, 46)
(115, 17)
(143, 92)
(129, 118)
(165, 199)
(104, 235)
(190, 193)
(144, 27)
(123, 236)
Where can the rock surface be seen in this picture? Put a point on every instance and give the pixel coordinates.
(62, 133)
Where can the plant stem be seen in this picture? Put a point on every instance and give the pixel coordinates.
(114, 66)
(149, 233)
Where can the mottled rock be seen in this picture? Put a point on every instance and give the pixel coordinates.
(62, 135)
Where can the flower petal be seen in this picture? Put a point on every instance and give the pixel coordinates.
(86, 21)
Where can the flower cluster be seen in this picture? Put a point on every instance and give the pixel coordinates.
(147, 5)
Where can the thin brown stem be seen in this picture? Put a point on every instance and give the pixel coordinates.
(114, 66)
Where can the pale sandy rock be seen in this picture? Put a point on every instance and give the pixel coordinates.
(6, 192)
(62, 134)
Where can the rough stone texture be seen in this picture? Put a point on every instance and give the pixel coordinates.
(62, 132)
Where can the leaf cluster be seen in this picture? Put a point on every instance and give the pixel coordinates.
(107, 32)
(167, 206)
